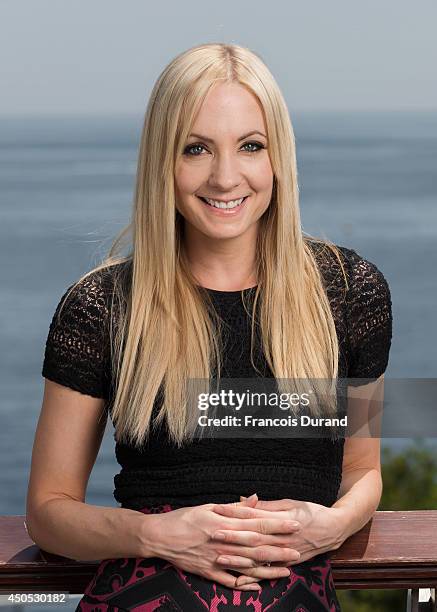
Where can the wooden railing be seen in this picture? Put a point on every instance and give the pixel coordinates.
(395, 550)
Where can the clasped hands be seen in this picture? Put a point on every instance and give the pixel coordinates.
(308, 528)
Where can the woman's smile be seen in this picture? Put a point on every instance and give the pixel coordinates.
(223, 208)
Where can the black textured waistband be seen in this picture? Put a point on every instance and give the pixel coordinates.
(207, 483)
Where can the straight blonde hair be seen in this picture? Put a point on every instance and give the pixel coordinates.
(163, 331)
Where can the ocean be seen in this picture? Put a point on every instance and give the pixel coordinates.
(367, 181)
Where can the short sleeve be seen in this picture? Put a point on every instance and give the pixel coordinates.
(77, 346)
(369, 319)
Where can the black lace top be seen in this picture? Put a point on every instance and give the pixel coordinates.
(77, 355)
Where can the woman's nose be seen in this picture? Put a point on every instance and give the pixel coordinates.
(224, 173)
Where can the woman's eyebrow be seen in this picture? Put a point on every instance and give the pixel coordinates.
(206, 139)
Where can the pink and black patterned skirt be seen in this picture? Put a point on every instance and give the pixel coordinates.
(153, 584)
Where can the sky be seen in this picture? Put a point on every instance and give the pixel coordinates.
(103, 56)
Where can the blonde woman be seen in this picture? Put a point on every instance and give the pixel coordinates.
(219, 281)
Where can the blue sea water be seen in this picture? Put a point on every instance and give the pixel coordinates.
(367, 181)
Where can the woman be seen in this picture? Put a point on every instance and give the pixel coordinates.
(219, 282)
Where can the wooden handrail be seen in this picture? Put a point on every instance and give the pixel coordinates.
(395, 550)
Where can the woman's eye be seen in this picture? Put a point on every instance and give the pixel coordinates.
(193, 149)
(256, 144)
(188, 150)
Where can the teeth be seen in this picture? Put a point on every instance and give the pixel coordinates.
(218, 204)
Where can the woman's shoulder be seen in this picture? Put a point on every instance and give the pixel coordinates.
(88, 303)
(366, 303)
(336, 261)
(97, 285)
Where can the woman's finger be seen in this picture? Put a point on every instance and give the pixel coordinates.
(234, 561)
(263, 526)
(246, 580)
(240, 563)
(254, 586)
(277, 504)
(253, 538)
(248, 501)
(272, 504)
(230, 581)
(261, 554)
(237, 510)
(266, 571)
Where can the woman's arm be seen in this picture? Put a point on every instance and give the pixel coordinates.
(361, 483)
(67, 440)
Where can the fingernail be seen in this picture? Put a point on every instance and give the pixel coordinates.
(252, 496)
(242, 498)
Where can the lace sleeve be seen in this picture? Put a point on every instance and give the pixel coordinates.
(369, 319)
(77, 348)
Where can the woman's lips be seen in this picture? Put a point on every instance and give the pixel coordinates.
(225, 212)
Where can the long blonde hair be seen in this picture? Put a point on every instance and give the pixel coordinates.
(165, 333)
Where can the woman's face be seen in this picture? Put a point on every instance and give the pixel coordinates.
(225, 159)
